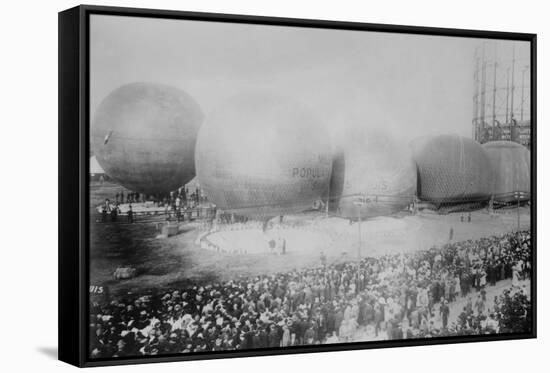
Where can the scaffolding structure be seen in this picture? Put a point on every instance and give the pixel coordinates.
(502, 87)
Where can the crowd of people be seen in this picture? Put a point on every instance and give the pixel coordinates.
(177, 204)
(180, 196)
(112, 210)
(401, 296)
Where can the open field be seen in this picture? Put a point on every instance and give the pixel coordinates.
(169, 262)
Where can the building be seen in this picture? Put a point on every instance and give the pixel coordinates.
(96, 172)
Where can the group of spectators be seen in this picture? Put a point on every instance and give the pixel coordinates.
(182, 194)
(177, 204)
(401, 296)
(112, 210)
(129, 197)
(182, 199)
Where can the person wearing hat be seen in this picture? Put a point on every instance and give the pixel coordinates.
(378, 316)
(103, 214)
(273, 336)
(115, 210)
(309, 335)
(444, 312)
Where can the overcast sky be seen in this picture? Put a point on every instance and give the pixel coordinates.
(410, 85)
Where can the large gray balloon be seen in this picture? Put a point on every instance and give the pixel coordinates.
(373, 165)
(261, 155)
(512, 165)
(144, 136)
(453, 169)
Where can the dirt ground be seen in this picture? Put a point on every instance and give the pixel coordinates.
(170, 262)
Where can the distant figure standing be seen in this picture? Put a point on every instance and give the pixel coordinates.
(515, 275)
(107, 205)
(103, 214)
(284, 246)
(451, 234)
(444, 312)
(114, 213)
(469, 217)
(130, 214)
(462, 218)
(272, 244)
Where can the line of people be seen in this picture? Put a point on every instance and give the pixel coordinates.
(177, 204)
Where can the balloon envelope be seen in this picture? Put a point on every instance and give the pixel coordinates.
(512, 166)
(453, 169)
(143, 135)
(375, 166)
(261, 155)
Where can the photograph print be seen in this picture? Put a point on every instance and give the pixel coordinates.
(263, 187)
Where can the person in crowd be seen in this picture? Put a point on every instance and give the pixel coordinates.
(107, 205)
(103, 214)
(444, 311)
(115, 210)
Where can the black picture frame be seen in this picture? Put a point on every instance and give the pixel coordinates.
(73, 165)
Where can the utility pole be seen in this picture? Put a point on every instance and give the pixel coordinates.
(475, 129)
(517, 197)
(494, 94)
(513, 85)
(359, 232)
(512, 90)
(507, 95)
(328, 201)
(483, 86)
(359, 202)
(522, 91)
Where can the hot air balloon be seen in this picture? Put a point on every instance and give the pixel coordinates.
(373, 175)
(261, 155)
(453, 169)
(144, 134)
(512, 166)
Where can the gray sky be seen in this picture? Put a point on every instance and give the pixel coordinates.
(410, 85)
